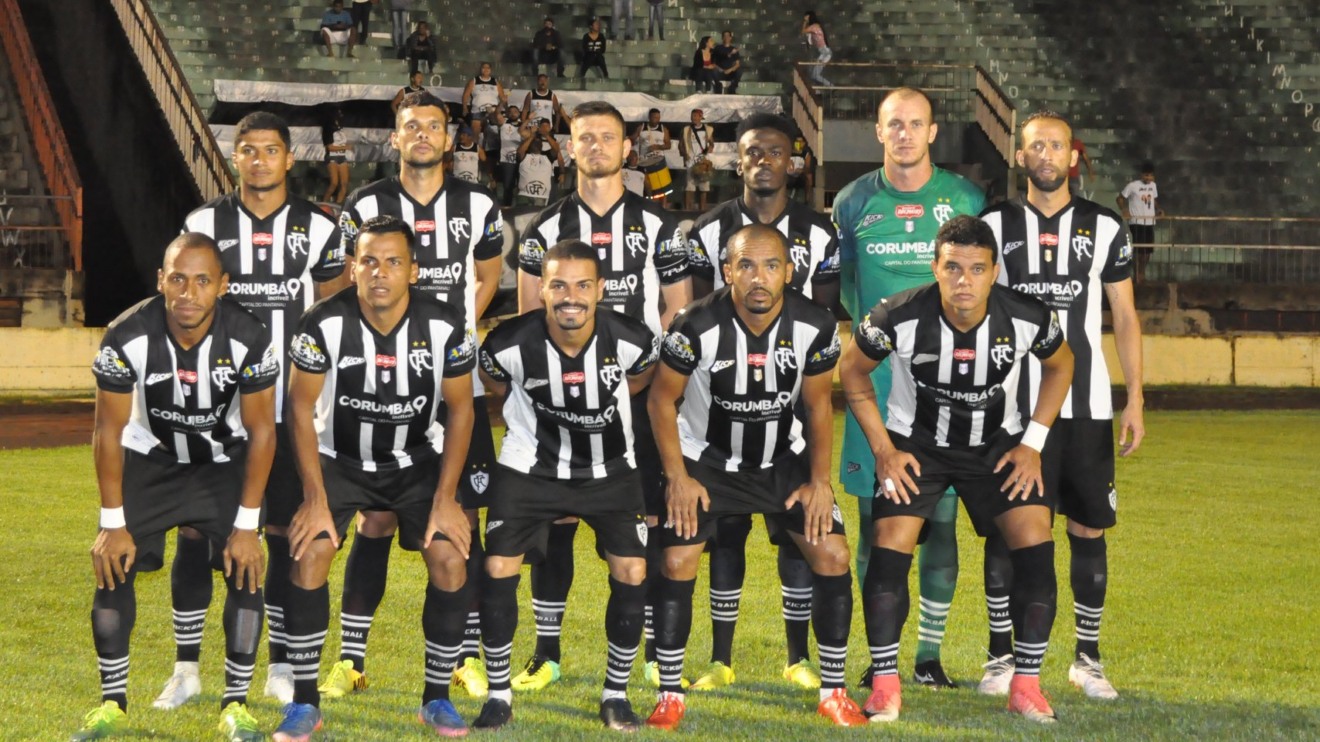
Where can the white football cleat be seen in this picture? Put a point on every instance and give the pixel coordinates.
(185, 683)
(1089, 675)
(998, 675)
(279, 682)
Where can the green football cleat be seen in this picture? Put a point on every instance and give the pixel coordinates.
(471, 676)
(101, 722)
(538, 673)
(803, 674)
(342, 680)
(238, 725)
(717, 675)
(652, 675)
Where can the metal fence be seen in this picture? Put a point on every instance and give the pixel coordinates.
(1208, 249)
(31, 237)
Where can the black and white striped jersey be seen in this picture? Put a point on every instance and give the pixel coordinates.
(738, 410)
(272, 262)
(185, 406)
(1064, 261)
(379, 407)
(639, 243)
(813, 243)
(568, 417)
(956, 389)
(460, 226)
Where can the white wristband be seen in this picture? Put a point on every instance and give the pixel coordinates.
(112, 517)
(248, 519)
(1035, 436)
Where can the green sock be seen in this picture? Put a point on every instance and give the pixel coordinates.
(937, 565)
(864, 531)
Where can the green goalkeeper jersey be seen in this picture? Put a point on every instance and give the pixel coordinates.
(886, 244)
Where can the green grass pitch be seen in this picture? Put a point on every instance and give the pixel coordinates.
(1210, 631)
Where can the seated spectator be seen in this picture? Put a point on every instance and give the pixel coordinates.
(414, 86)
(729, 59)
(547, 46)
(593, 50)
(705, 73)
(419, 48)
(337, 28)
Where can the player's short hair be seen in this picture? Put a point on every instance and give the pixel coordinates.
(763, 120)
(903, 92)
(966, 230)
(573, 250)
(263, 121)
(421, 99)
(194, 241)
(598, 108)
(1046, 113)
(752, 231)
(1148, 167)
(386, 224)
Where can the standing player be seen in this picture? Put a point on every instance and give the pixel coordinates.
(567, 373)
(764, 148)
(724, 409)
(1067, 251)
(372, 366)
(643, 263)
(185, 435)
(273, 246)
(459, 234)
(959, 349)
(887, 221)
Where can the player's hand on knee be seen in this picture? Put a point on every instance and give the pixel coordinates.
(682, 498)
(448, 519)
(896, 469)
(113, 554)
(1025, 477)
(817, 498)
(243, 556)
(311, 520)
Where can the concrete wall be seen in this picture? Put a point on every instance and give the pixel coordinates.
(44, 361)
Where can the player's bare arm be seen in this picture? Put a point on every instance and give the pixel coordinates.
(447, 515)
(1055, 379)
(1127, 341)
(892, 465)
(114, 551)
(313, 516)
(243, 552)
(676, 296)
(683, 494)
(488, 280)
(817, 494)
(639, 382)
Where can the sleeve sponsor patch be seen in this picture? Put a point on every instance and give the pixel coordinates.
(875, 338)
(110, 367)
(677, 350)
(306, 354)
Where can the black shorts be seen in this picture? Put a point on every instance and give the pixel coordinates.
(969, 472)
(159, 497)
(731, 531)
(474, 485)
(408, 493)
(1084, 487)
(524, 506)
(284, 487)
(745, 493)
(648, 458)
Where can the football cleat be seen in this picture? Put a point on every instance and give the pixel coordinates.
(238, 725)
(931, 675)
(652, 675)
(342, 680)
(1089, 675)
(494, 714)
(300, 720)
(471, 677)
(668, 711)
(886, 699)
(182, 685)
(998, 673)
(617, 714)
(717, 675)
(842, 710)
(100, 722)
(538, 673)
(443, 719)
(1026, 698)
(279, 682)
(803, 674)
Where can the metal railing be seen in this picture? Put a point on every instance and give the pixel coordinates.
(185, 117)
(807, 115)
(1219, 249)
(61, 245)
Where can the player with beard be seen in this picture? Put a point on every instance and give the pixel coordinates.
(764, 150)
(1067, 251)
(643, 270)
(459, 237)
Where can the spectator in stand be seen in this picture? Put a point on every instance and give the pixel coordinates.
(621, 24)
(483, 93)
(1139, 203)
(705, 73)
(802, 169)
(542, 103)
(651, 136)
(539, 158)
(696, 145)
(338, 152)
(593, 50)
(414, 86)
(399, 23)
(420, 47)
(362, 18)
(655, 18)
(820, 44)
(633, 177)
(1076, 184)
(547, 46)
(511, 137)
(729, 59)
(337, 28)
